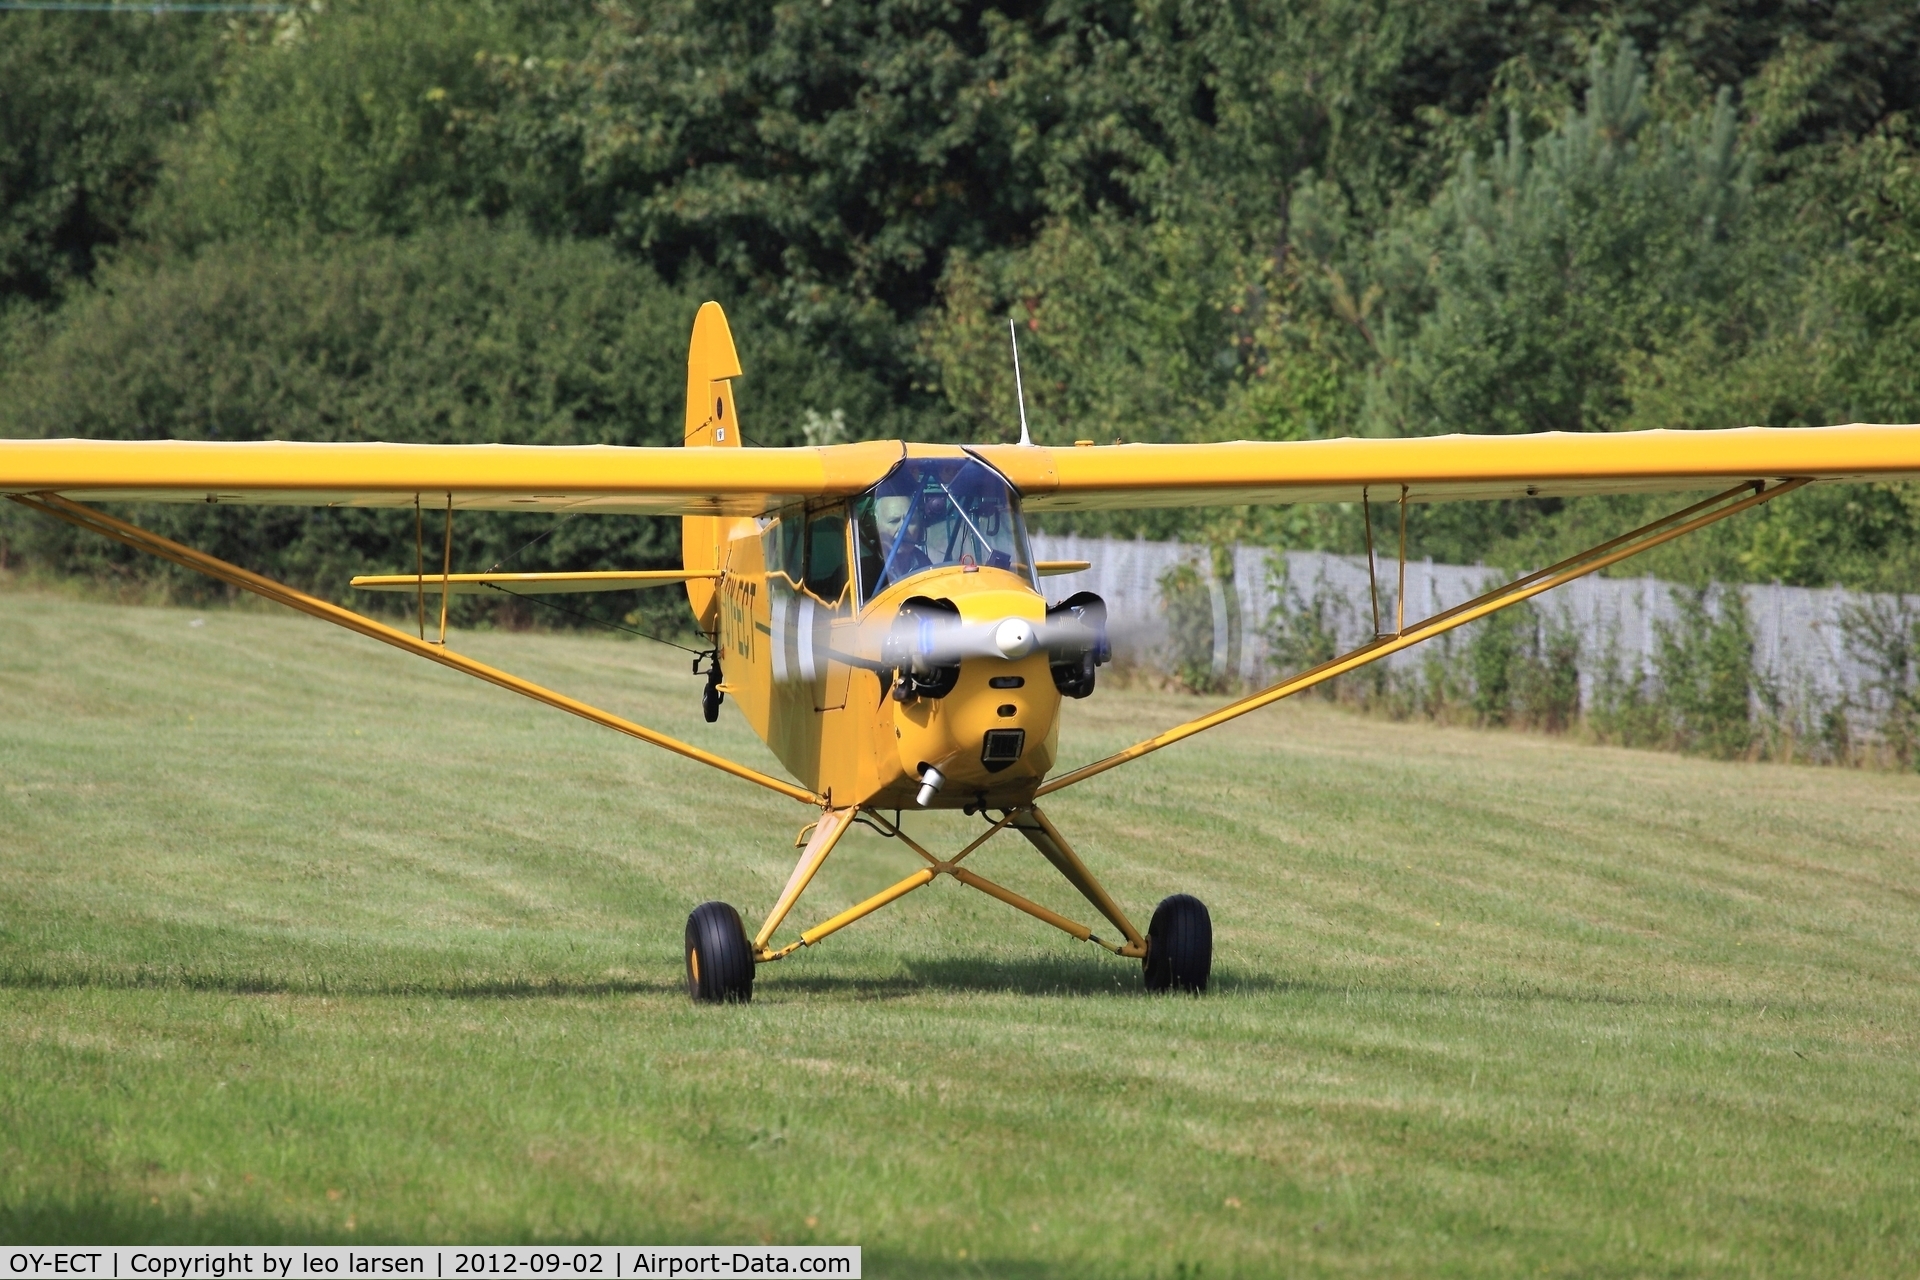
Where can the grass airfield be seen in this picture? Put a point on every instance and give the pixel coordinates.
(305, 940)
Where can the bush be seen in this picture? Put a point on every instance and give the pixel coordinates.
(1186, 599)
(465, 334)
(1303, 630)
(1625, 710)
(353, 117)
(90, 103)
(1705, 665)
(1554, 259)
(1494, 650)
(1885, 635)
(1523, 670)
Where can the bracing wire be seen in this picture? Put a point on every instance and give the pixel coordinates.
(598, 622)
(536, 539)
(574, 613)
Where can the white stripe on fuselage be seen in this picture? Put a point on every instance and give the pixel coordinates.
(806, 638)
(778, 640)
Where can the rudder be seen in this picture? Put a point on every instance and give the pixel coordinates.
(712, 364)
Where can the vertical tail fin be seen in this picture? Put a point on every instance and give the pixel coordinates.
(712, 364)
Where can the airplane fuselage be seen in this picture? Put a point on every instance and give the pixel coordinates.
(806, 668)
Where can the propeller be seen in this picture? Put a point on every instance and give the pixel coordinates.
(927, 641)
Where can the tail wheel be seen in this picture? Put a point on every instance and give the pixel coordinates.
(1179, 945)
(719, 957)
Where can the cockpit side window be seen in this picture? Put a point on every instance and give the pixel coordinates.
(827, 554)
(783, 547)
(931, 513)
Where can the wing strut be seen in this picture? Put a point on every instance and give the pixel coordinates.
(144, 540)
(446, 573)
(1028, 821)
(1697, 516)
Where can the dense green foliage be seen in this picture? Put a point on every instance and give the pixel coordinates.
(463, 333)
(87, 103)
(1267, 219)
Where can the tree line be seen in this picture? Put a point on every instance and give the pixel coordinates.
(468, 220)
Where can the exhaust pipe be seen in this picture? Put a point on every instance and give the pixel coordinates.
(931, 780)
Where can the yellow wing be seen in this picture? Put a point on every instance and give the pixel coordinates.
(480, 477)
(1446, 468)
(679, 481)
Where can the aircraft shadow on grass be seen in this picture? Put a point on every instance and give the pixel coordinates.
(1083, 976)
(1068, 975)
(168, 978)
(1090, 977)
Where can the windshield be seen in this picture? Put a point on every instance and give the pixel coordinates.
(931, 512)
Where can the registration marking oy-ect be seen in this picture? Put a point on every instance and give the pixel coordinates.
(331, 1262)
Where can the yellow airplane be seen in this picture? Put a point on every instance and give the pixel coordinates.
(876, 613)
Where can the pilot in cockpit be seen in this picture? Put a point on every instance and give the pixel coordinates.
(930, 514)
(902, 527)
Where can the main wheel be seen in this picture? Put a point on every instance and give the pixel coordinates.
(1179, 945)
(719, 957)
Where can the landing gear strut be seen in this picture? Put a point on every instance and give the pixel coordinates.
(1177, 950)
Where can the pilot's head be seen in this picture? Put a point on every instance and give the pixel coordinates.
(889, 513)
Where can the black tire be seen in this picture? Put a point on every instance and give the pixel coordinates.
(1179, 945)
(719, 957)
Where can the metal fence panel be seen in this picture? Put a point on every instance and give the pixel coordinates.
(1800, 653)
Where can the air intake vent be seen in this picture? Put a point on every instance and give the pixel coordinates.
(1002, 748)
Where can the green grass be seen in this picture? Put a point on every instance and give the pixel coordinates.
(302, 939)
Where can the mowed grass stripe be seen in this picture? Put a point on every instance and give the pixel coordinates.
(301, 939)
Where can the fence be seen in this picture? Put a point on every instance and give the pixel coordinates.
(1808, 656)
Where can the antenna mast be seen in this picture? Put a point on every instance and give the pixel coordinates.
(1020, 392)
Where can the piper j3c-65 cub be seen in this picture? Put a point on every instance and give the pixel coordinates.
(874, 609)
